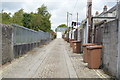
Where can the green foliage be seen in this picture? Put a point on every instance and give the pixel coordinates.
(0, 17)
(63, 25)
(18, 17)
(42, 10)
(27, 20)
(6, 19)
(36, 21)
(44, 23)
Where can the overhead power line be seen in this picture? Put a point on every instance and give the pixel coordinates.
(75, 6)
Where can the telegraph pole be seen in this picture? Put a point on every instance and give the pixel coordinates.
(89, 16)
(67, 19)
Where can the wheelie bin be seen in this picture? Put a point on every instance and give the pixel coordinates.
(94, 56)
(76, 46)
(85, 55)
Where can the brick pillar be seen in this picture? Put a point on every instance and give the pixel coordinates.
(118, 67)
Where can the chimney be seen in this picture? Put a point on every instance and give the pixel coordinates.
(97, 13)
(105, 8)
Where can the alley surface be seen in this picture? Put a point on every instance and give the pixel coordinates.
(54, 60)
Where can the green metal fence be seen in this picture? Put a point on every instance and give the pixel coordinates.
(22, 35)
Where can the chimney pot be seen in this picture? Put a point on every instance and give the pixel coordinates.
(97, 13)
(105, 8)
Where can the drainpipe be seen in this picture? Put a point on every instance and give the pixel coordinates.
(118, 60)
(77, 27)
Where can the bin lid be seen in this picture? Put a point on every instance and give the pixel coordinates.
(71, 39)
(95, 47)
(88, 44)
(76, 41)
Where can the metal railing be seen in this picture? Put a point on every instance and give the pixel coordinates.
(22, 35)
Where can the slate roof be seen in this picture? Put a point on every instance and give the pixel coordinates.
(110, 10)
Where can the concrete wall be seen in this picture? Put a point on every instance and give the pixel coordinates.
(119, 52)
(12, 50)
(0, 44)
(110, 50)
(7, 43)
(118, 67)
(111, 40)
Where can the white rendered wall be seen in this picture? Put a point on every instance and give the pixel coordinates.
(59, 34)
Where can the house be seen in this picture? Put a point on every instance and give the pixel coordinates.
(108, 35)
(106, 32)
(60, 31)
(107, 15)
(73, 33)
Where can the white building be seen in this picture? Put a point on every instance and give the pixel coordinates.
(60, 31)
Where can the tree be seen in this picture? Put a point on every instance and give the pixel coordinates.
(36, 21)
(41, 19)
(6, 19)
(63, 25)
(27, 18)
(18, 17)
(45, 15)
(42, 10)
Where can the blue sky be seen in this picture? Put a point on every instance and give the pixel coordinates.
(58, 8)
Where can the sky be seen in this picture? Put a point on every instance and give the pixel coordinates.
(58, 8)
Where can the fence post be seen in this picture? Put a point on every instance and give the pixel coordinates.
(118, 67)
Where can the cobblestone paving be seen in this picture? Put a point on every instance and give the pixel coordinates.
(54, 60)
(81, 68)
